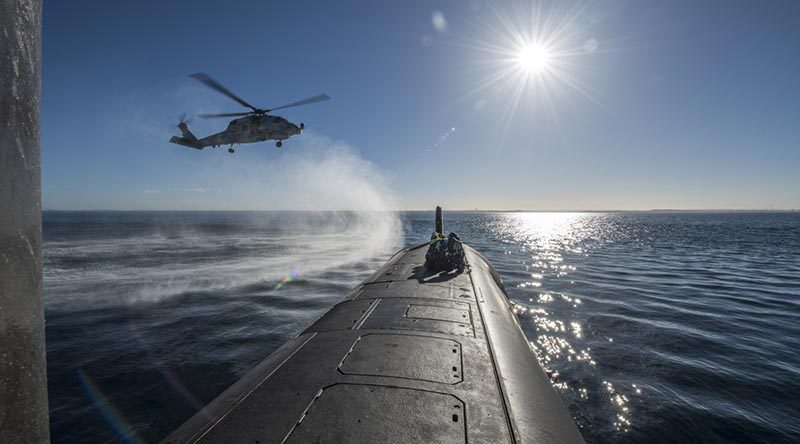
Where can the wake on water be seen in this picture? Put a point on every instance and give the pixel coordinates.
(152, 256)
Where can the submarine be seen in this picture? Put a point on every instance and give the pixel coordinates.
(410, 354)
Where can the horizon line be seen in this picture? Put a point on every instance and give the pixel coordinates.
(476, 210)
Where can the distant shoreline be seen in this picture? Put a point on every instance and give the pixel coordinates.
(101, 210)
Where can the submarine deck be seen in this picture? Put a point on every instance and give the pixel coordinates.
(404, 357)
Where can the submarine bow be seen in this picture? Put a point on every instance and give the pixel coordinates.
(406, 356)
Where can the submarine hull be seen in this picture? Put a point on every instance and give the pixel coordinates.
(404, 357)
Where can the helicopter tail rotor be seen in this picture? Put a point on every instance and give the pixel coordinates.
(182, 119)
(188, 138)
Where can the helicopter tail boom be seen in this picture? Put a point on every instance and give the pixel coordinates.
(188, 138)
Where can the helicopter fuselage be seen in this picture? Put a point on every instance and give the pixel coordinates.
(250, 129)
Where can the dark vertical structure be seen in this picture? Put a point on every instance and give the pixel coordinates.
(23, 373)
(438, 226)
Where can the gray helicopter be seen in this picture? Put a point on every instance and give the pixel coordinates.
(256, 125)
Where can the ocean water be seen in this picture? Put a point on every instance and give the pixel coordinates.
(653, 327)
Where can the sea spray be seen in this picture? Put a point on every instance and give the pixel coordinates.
(337, 210)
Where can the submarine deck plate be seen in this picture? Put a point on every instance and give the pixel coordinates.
(404, 357)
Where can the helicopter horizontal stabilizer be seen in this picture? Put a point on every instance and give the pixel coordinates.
(185, 142)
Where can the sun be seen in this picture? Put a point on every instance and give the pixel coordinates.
(534, 58)
(531, 54)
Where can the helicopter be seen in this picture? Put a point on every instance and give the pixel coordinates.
(256, 125)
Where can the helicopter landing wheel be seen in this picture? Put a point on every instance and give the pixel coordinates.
(230, 150)
(279, 144)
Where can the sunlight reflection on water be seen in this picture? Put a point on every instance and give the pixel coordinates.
(544, 242)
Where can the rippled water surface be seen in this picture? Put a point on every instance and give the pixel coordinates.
(653, 327)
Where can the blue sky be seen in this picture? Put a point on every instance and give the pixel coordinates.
(641, 105)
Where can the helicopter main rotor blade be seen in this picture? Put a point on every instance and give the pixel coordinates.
(315, 99)
(211, 83)
(213, 116)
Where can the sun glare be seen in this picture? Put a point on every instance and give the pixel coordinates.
(534, 58)
(531, 54)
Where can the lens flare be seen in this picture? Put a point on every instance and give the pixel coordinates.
(102, 404)
(169, 376)
(289, 277)
(439, 21)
